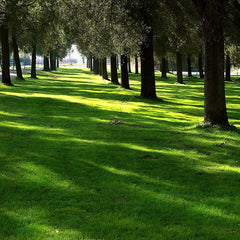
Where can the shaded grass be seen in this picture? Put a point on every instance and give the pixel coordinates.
(68, 173)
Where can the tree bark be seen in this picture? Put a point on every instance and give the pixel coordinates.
(228, 68)
(16, 57)
(136, 64)
(96, 65)
(118, 67)
(189, 64)
(164, 67)
(46, 63)
(104, 69)
(129, 65)
(88, 62)
(53, 59)
(114, 74)
(200, 66)
(148, 89)
(91, 63)
(5, 57)
(57, 62)
(100, 67)
(179, 68)
(124, 72)
(34, 56)
(215, 112)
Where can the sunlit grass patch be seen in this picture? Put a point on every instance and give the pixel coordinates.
(81, 158)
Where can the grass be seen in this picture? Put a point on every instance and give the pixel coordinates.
(81, 158)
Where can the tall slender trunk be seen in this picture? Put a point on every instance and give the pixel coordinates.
(88, 62)
(16, 57)
(118, 64)
(34, 56)
(91, 63)
(189, 64)
(96, 65)
(148, 89)
(46, 63)
(179, 68)
(228, 68)
(114, 74)
(136, 64)
(5, 57)
(164, 67)
(200, 65)
(57, 62)
(53, 58)
(214, 103)
(124, 72)
(104, 69)
(100, 67)
(129, 65)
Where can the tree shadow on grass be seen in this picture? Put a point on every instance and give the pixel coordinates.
(110, 196)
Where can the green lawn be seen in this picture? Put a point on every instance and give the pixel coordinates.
(81, 158)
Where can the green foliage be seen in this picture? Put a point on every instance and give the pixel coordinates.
(83, 159)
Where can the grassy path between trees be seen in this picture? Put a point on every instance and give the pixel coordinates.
(81, 158)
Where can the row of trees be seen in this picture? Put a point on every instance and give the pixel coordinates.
(143, 28)
(34, 26)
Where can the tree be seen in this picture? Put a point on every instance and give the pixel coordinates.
(228, 67)
(5, 56)
(124, 72)
(211, 13)
(104, 68)
(189, 64)
(136, 64)
(114, 74)
(179, 68)
(16, 57)
(46, 66)
(200, 65)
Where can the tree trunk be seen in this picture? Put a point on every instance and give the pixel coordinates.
(46, 63)
(100, 67)
(129, 65)
(148, 89)
(53, 66)
(228, 68)
(136, 64)
(118, 68)
(114, 74)
(179, 68)
(104, 69)
(57, 62)
(164, 67)
(124, 72)
(215, 111)
(5, 57)
(91, 63)
(88, 62)
(200, 66)
(189, 64)
(16, 57)
(34, 56)
(96, 65)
